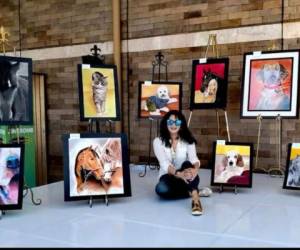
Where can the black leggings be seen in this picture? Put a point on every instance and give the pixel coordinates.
(172, 187)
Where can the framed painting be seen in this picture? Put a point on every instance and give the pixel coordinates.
(232, 164)
(11, 176)
(16, 91)
(158, 98)
(292, 171)
(270, 84)
(95, 165)
(98, 92)
(209, 84)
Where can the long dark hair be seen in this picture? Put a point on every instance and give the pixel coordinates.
(184, 132)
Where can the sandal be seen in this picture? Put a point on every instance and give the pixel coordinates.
(205, 192)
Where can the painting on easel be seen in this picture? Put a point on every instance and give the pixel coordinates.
(16, 91)
(270, 84)
(209, 84)
(158, 98)
(98, 92)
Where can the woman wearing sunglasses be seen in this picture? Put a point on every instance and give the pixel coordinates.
(175, 150)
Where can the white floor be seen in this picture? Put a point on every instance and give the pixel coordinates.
(264, 216)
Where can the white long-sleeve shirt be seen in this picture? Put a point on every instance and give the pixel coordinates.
(167, 156)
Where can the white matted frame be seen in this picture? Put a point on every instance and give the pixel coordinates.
(270, 84)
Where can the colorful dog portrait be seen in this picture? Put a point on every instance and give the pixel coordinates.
(292, 173)
(156, 99)
(96, 166)
(11, 176)
(209, 84)
(98, 92)
(270, 85)
(232, 165)
(16, 91)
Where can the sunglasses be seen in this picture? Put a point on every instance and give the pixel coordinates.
(176, 122)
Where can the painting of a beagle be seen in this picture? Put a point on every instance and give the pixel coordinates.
(233, 165)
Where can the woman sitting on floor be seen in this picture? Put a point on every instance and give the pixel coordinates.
(175, 150)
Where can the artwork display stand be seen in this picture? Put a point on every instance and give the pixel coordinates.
(159, 63)
(278, 131)
(221, 189)
(212, 43)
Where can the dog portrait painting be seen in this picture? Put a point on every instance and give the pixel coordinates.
(98, 92)
(156, 99)
(15, 91)
(270, 85)
(292, 173)
(232, 164)
(209, 84)
(95, 166)
(11, 176)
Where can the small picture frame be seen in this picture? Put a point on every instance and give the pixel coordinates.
(98, 92)
(11, 176)
(95, 165)
(292, 171)
(232, 164)
(209, 84)
(155, 99)
(270, 84)
(16, 103)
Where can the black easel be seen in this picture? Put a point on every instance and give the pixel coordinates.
(221, 189)
(96, 59)
(159, 63)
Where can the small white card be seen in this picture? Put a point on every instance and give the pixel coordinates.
(148, 82)
(221, 142)
(85, 66)
(203, 60)
(256, 53)
(74, 136)
(296, 145)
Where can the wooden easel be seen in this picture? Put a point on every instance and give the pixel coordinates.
(212, 43)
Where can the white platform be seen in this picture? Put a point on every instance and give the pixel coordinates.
(264, 216)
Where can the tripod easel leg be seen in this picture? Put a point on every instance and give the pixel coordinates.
(279, 168)
(259, 119)
(227, 126)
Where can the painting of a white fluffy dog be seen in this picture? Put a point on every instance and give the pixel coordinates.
(157, 99)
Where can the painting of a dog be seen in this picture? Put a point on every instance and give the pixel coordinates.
(294, 173)
(270, 84)
(232, 164)
(209, 84)
(157, 99)
(15, 91)
(272, 96)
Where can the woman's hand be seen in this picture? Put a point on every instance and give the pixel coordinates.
(190, 173)
(171, 170)
(181, 175)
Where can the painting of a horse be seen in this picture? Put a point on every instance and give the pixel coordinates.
(87, 164)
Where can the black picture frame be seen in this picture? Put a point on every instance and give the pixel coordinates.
(142, 114)
(19, 176)
(244, 174)
(289, 164)
(112, 116)
(213, 68)
(258, 109)
(18, 70)
(67, 174)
